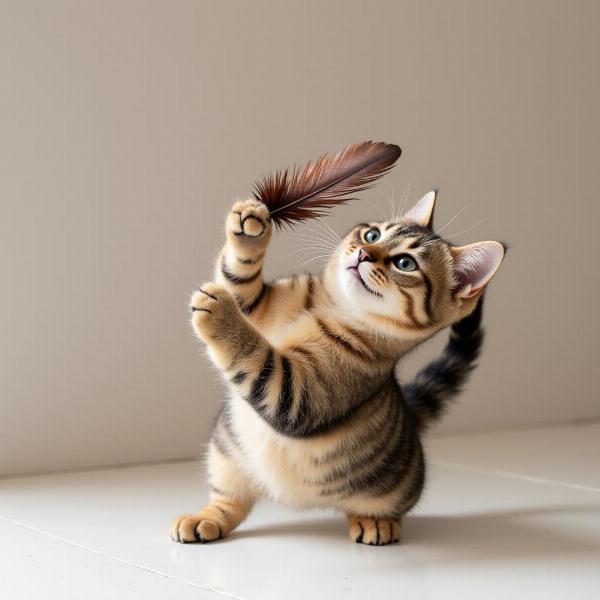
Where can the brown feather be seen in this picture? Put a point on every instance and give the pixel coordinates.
(307, 192)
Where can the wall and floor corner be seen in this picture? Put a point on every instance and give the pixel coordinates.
(128, 129)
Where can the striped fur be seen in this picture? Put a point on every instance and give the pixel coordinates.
(315, 416)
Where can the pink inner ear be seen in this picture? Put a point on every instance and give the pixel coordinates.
(476, 264)
(422, 211)
(460, 279)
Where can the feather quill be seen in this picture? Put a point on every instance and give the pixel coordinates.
(307, 192)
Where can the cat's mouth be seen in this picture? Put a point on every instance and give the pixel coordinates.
(356, 273)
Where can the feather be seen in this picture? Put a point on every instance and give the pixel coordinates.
(307, 192)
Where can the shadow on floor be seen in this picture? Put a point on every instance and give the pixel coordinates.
(454, 538)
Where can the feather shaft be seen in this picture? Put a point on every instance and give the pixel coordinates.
(307, 192)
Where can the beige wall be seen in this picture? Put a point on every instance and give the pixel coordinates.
(128, 127)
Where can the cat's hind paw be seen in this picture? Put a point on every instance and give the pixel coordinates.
(374, 532)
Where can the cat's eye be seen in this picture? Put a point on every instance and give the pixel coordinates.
(404, 262)
(372, 236)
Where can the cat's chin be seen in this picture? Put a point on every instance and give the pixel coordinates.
(353, 288)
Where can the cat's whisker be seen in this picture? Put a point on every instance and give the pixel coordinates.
(313, 243)
(317, 227)
(297, 249)
(327, 229)
(308, 240)
(309, 249)
(301, 255)
(318, 239)
(322, 256)
(322, 233)
(404, 197)
(452, 219)
(454, 235)
(317, 235)
(389, 199)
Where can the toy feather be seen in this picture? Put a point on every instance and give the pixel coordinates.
(308, 192)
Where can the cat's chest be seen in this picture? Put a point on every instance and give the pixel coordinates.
(287, 327)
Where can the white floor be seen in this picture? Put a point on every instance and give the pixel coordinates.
(506, 515)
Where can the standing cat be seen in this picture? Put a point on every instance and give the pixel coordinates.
(315, 416)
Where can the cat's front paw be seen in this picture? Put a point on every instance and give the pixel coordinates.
(214, 311)
(189, 528)
(249, 220)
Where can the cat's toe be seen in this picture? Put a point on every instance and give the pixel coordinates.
(188, 529)
(201, 301)
(182, 529)
(211, 298)
(208, 531)
(374, 532)
(249, 218)
(214, 311)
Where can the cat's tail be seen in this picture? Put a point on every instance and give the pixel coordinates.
(428, 394)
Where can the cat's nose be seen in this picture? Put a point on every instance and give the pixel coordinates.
(363, 255)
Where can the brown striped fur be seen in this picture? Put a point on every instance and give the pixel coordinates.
(315, 416)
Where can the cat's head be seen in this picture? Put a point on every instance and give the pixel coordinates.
(403, 278)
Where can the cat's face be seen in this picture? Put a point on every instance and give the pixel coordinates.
(403, 274)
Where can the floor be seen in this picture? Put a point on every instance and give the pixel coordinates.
(506, 515)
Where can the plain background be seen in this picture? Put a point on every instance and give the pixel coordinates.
(128, 128)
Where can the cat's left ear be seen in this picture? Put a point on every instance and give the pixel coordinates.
(475, 265)
(422, 212)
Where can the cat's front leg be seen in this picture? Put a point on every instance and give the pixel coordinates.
(280, 386)
(239, 267)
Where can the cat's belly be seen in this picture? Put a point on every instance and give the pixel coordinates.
(317, 472)
(286, 469)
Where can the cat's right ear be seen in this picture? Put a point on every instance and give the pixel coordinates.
(422, 212)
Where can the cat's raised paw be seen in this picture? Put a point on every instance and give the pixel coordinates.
(249, 219)
(213, 308)
(189, 529)
(374, 532)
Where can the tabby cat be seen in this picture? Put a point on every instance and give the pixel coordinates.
(315, 416)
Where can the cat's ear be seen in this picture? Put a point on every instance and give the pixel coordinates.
(422, 212)
(475, 265)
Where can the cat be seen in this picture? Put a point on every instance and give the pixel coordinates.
(315, 416)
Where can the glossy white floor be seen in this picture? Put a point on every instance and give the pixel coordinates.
(505, 515)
